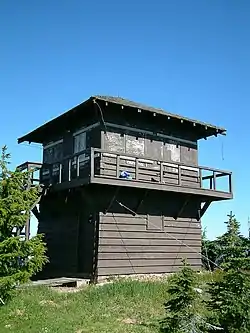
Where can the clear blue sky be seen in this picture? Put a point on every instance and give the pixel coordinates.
(190, 57)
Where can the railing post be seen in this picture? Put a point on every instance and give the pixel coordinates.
(214, 180)
(92, 163)
(50, 173)
(179, 175)
(161, 172)
(60, 173)
(230, 183)
(69, 178)
(117, 166)
(200, 175)
(210, 183)
(77, 166)
(136, 169)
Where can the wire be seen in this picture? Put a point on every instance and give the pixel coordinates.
(178, 240)
(124, 244)
(180, 246)
(101, 113)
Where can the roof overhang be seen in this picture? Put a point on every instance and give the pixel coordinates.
(63, 121)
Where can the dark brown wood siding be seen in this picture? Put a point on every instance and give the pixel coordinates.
(149, 170)
(69, 229)
(59, 223)
(128, 246)
(152, 240)
(149, 146)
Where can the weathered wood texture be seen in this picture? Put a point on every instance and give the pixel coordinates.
(84, 241)
(69, 234)
(149, 146)
(128, 246)
(151, 241)
(59, 165)
(149, 170)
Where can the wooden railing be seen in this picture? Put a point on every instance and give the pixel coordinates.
(98, 163)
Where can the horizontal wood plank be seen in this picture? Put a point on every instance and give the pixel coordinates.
(168, 249)
(147, 242)
(148, 235)
(141, 270)
(142, 228)
(148, 255)
(128, 262)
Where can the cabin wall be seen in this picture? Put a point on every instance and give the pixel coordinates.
(72, 142)
(149, 150)
(152, 241)
(60, 151)
(145, 145)
(69, 234)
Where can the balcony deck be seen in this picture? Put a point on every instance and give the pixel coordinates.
(102, 167)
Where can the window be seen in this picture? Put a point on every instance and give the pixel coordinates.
(114, 142)
(155, 222)
(79, 142)
(172, 152)
(80, 146)
(53, 153)
(134, 145)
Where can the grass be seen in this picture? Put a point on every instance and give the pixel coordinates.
(123, 306)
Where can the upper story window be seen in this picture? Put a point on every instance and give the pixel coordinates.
(151, 147)
(53, 152)
(114, 142)
(80, 142)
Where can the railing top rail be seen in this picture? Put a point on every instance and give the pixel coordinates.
(226, 172)
(25, 165)
(99, 150)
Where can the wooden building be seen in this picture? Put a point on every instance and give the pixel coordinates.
(124, 191)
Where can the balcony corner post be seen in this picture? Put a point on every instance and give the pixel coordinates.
(92, 164)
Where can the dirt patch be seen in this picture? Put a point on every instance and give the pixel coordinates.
(130, 321)
(48, 302)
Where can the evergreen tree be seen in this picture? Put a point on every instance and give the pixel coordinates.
(232, 247)
(19, 258)
(209, 251)
(229, 301)
(182, 306)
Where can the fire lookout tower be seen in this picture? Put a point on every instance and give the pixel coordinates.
(125, 193)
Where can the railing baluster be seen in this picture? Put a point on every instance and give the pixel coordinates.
(230, 183)
(136, 169)
(50, 173)
(77, 167)
(69, 175)
(92, 163)
(179, 175)
(60, 173)
(211, 183)
(200, 175)
(117, 166)
(214, 180)
(161, 172)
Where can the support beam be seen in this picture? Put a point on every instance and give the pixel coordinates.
(182, 207)
(36, 212)
(204, 208)
(141, 201)
(87, 198)
(112, 200)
